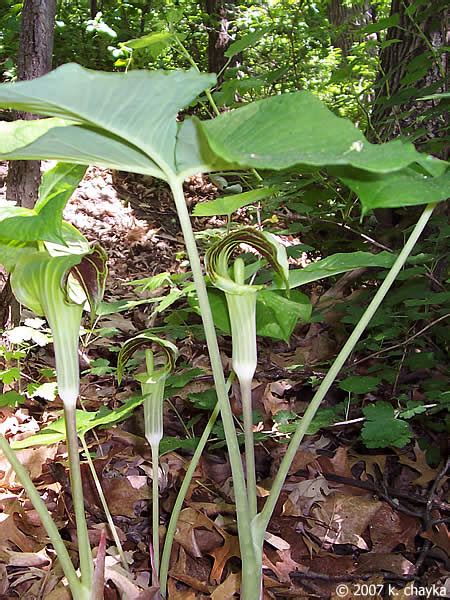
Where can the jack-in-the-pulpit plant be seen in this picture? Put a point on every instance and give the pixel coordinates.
(241, 302)
(128, 121)
(159, 363)
(55, 273)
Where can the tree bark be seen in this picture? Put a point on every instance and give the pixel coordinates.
(219, 39)
(344, 18)
(94, 8)
(34, 60)
(396, 107)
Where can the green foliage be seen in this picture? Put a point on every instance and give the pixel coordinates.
(104, 417)
(382, 428)
(358, 384)
(226, 205)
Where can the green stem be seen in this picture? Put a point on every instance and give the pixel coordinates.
(262, 520)
(171, 528)
(155, 509)
(46, 519)
(247, 413)
(242, 508)
(101, 495)
(84, 546)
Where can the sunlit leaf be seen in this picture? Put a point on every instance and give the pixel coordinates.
(407, 187)
(137, 109)
(298, 129)
(339, 263)
(226, 205)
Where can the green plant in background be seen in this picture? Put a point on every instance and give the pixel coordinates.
(54, 272)
(128, 121)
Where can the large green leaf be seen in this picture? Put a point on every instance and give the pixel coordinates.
(45, 221)
(337, 264)
(10, 253)
(79, 145)
(16, 134)
(139, 107)
(193, 153)
(155, 43)
(63, 179)
(277, 316)
(293, 129)
(401, 188)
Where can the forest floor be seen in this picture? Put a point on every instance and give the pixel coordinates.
(350, 522)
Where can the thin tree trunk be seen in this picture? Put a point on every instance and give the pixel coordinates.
(34, 60)
(422, 34)
(219, 39)
(94, 9)
(344, 18)
(407, 67)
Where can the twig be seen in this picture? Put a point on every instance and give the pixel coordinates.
(427, 515)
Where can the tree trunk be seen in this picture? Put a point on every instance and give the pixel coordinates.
(409, 66)
(344, 18)
(34, 60)
(408, 69)
(94, 9)
(219, 39)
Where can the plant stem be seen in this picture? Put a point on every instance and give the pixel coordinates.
(46, 519)
(262, 520)
(155, 509)
(105, 506)
(84, 546)
(242, 508)
(247, 413)
(171, 528)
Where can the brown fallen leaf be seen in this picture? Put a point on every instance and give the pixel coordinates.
(122, 493)
(342, 519)
(4, 583)
(375, 563)
(175, 594)
(420, 465)
(33, 459)
(272, 399)
(222, 554)
(185, 535)
(439, 535)
(125, 581)
(11, 534)
(390, 528)
(25, 559)
(228, 588)
(283, 567)
(374, 464)
(304, 494)
(191, 572)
